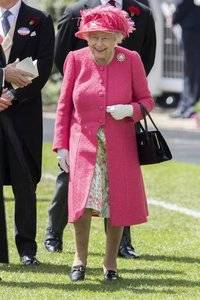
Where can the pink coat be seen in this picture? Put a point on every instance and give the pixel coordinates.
(86, 91)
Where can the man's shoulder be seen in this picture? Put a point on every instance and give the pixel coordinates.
(75, 8)
(32, 11)
(142, 6)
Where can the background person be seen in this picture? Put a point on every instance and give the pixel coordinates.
(142, 40)
(187, 14)
(94, 114)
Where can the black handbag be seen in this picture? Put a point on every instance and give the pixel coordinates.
(152, 147)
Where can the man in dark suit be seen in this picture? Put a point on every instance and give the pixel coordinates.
(30, 34)
(142, 40)
(187, 15)
(6, 73)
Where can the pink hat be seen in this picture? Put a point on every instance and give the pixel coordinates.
(104, 18)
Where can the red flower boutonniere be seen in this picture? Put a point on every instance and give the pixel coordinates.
(134, 10)
(33, 21)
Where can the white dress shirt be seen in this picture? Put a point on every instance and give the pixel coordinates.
(13, 17)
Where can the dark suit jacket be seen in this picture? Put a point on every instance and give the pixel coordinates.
(26, 112)
(3, 237)
(142, 40)
(187, 14)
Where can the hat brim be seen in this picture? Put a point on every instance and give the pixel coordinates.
(82, 34)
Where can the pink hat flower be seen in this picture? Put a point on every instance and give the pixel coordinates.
(105, 18)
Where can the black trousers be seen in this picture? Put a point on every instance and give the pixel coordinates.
(3, 233)
(58, 212)
(191, 88)
(16, 170)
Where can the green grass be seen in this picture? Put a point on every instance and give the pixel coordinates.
(168, 243)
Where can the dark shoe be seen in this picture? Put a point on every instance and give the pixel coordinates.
(177, 114)
(77, 273)
(188, 114)
(110, 275)
(127, 252)
(53, 245)
(29, 260)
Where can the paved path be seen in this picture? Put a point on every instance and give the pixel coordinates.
(183, 136)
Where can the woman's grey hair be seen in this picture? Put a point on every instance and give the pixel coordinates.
(119, 37)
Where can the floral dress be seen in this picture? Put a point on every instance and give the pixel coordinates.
(98, 195)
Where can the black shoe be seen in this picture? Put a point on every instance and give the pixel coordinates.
(177, 114)
(188, 114)
(77, 273)
(127, 252)
(29, 260)
(53, 245)
(110, 275)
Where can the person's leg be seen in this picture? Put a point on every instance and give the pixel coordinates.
(82, 231)
(191, 86)
(126, 250)
(24, 192)
(113, 238)
(25, 200)
(193, 69)
(3, 231)
(57, 214)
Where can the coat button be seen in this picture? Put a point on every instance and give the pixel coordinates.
(101, 94)
(101, 122)
(101, 107)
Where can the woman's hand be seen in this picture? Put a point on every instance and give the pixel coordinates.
(120, 111)
(63, 159)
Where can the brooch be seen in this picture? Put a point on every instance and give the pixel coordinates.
(120, 57)
(23, 31)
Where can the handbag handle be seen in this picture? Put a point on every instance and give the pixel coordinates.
(145, 113)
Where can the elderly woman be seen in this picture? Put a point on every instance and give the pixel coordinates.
(99, 104)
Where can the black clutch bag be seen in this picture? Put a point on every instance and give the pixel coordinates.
(152, 147)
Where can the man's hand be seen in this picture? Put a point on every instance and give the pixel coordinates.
(18, 77)
(5, 100)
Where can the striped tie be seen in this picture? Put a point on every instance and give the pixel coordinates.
(5, 22)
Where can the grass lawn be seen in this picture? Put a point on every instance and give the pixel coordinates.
(169, 266)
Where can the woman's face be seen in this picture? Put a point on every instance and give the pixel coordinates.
(102, 45)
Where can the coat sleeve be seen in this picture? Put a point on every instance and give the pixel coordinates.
(140, 90)
(148, 50)
(65, 38)
(1, 80)
(44, 55)
(182, 11)
(65, 106)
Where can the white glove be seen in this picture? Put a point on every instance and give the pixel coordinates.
(120, 111)
(63, 159)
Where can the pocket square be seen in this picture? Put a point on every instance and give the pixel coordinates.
(33, 33)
